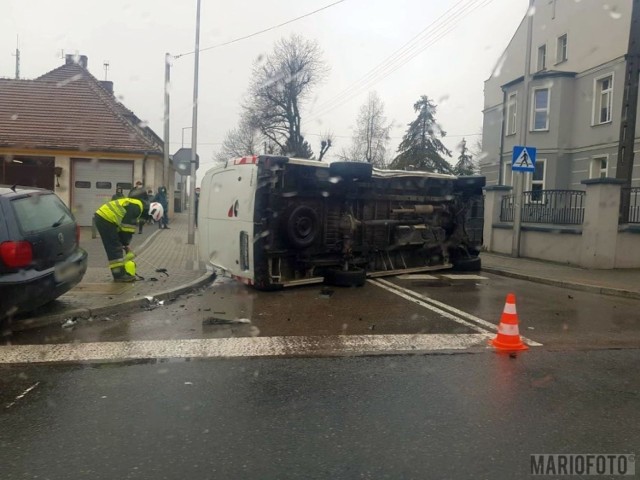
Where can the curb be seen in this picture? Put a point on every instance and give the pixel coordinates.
(614, 292)
(85, 313)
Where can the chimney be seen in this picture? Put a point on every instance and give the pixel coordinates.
(107, 85)
(82, 60)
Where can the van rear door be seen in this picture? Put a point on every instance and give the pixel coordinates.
(225, 221)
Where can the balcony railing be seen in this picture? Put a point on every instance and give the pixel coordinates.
(633, 196)
(556, 207)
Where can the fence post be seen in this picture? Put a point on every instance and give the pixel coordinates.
(600, 226)
(492, 201)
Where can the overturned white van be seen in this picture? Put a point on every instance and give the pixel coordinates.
(273, 221)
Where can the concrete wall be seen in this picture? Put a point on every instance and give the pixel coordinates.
(628, 250)
(597, 243)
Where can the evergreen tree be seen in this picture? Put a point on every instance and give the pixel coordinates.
(421, 147)
(466, 165)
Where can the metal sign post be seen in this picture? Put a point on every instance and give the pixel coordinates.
(519, 179)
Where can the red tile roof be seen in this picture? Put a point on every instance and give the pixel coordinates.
(67, 108)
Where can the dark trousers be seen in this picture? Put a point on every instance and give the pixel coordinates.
(113, 244)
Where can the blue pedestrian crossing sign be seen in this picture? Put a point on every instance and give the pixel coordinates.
(524, 159)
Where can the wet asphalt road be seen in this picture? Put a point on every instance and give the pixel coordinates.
(398, 417)
(558, 318)
(437, 414)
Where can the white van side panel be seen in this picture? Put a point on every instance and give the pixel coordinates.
(225, 216)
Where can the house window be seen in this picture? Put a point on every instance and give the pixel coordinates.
(511, 113)
(540, 109)
(537, 181)
(561, 49)
(599, 167)
(603, 99)
(507, 174)
(542, 57)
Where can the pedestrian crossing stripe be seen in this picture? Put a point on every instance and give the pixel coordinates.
(464, 277)
(447, 276)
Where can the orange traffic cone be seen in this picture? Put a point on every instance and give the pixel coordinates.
(508, 337)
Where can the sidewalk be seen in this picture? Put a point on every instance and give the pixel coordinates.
(619, 282)
(97, 294)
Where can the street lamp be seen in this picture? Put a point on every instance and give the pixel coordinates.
(194, 135)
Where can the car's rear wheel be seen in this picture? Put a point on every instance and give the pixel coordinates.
(354, 277)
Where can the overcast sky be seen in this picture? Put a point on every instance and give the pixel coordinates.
(355, 36)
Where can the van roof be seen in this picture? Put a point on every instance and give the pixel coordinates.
(252, 160)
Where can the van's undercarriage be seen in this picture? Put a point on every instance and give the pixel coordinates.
(343, 222)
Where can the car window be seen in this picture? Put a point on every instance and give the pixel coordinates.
(39, 212)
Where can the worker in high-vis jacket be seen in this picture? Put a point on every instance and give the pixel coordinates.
(117, 221)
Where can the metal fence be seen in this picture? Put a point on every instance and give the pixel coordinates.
(633, 196)
(556, 207)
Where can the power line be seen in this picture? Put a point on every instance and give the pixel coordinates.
(396, 60)
(401, 59)
(390, 58)
(263, 31)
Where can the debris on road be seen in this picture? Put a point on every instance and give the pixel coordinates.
(70, 322)
(326, 292)
(152, 303)
(224, 321)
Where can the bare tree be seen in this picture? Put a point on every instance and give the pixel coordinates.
(326, 142)
(281, 83)
(239, 142)
(371, 136)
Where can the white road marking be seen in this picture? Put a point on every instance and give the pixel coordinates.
(450, 308)
(240, 347)
(417, 277)
(22, 395)
(464, 277)
(396, 290)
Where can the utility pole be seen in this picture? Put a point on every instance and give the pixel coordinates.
(191, 236)
(17, 55)
(167, 80)
(519, 177)
(624, 170)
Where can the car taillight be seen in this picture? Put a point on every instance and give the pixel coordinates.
(16, 254)
(77, 234)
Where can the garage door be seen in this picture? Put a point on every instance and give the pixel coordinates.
(94, 182)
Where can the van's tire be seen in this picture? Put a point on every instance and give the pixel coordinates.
(469, 264)
(302, 226)
(354, 277)
(351, 170)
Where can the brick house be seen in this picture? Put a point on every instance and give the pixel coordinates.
(67, 132)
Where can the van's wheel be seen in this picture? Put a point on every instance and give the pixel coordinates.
(351, 170)
(354, 277)
(302, 226)
(472, 264)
